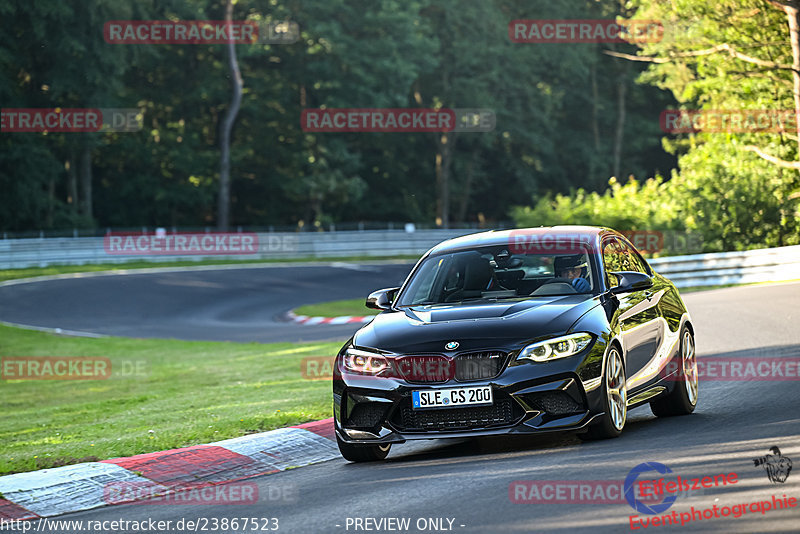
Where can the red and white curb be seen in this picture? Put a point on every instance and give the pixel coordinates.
(72, 488)
(344, 319)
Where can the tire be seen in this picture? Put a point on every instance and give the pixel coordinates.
(682, 400)
(615, 396)
(362, 453)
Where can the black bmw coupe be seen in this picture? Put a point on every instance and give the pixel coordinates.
(510, 332)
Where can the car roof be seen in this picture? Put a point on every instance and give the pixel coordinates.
(587, 234)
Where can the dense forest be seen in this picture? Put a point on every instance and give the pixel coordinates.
(576, 139)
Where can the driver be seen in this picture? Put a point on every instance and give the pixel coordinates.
(574, 269)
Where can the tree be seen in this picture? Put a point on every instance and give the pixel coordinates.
(743, 40)
(732, 54)
(223, 210)
(553, 132)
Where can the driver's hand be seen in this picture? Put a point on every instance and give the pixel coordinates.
(581, 285)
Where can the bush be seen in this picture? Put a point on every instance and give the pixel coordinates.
(732, 198)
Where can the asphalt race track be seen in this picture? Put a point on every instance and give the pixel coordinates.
(239, 304)
(468, 481)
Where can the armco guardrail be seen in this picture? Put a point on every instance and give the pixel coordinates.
(42, 252)
(762, 265)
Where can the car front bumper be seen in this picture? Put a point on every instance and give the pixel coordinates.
(528, 398)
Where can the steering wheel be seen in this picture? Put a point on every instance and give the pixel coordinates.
(558, 280)
(550, 287)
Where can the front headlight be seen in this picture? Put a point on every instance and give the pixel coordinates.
(552, 349)
(363, 362)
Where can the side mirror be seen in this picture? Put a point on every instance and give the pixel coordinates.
(631, 281)
(381, 299)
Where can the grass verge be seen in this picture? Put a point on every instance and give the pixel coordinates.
(336, 308)
(182, 393)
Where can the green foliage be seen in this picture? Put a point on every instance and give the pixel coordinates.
(651, 205)
(734, 199)
(386, 53)
(725, 195)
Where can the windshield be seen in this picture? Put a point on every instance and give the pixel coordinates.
(490, 273)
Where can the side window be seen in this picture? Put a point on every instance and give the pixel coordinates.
(612, 260)
(635, 262)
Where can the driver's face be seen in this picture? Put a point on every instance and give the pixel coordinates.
(571, 274)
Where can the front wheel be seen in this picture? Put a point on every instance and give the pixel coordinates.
(615, 394)
(683, 398)
(362, 453)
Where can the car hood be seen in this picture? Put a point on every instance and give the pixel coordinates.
(478, 326)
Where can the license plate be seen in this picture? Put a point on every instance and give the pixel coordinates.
(451, 398)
